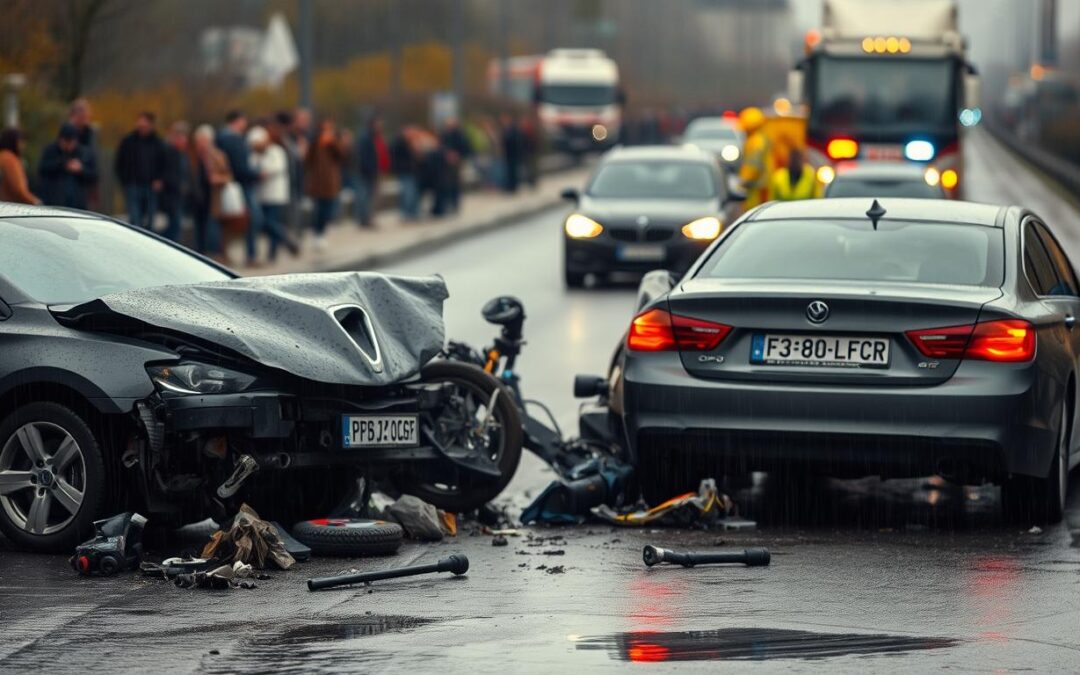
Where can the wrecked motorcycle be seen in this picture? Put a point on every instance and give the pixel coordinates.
(546, 440)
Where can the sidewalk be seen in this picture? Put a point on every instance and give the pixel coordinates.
(350, 247)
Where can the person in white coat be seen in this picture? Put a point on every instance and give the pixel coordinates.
(270, 161)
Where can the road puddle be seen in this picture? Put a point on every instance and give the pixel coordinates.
(347, 630)
(742, 644)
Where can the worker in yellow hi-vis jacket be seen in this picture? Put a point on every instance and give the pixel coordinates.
(795, 181)
(757, 158)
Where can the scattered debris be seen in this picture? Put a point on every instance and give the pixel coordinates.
(249, 540)
(556, 569)
(219, 578)
(420, 519)
(507, 532)
(116, 546)
(704, 508)
(555, 551)
(457, 564)
(170, 568)
(448, 522)
(499, 540)
(1035, 529)
(597, 481)
(751, 557)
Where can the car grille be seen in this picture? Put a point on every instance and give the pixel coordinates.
(624, 233)
(633, 234)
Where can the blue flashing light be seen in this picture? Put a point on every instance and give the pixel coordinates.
(919, 151)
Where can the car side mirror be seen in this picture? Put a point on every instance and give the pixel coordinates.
(5, 311)
(570, 194)
(655, 284)
(736, 196)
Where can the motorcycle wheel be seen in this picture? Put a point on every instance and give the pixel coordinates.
(465, 427)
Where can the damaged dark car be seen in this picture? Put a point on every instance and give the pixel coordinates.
(134, 372)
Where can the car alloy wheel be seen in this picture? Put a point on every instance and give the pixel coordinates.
(42, 478)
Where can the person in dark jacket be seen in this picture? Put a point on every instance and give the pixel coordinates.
(458, 151)
(372, 159)
(140, 168)
(81, 116)
(231, 141)
(404, 166)
(176, 189)
(513, 150)
(65, 171)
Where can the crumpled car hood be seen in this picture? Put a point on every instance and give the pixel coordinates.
(352, 328)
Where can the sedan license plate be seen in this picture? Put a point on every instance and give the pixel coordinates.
(822, 351)
(640, 253)
(380, 431)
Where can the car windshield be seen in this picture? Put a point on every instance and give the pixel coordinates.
(856, 187)
(653, 180)
(852, 250)
(885, 96)
(712, 133)
(578, 94)
(72, 260)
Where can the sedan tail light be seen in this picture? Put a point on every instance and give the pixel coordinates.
(1004, 341)
(656, 330)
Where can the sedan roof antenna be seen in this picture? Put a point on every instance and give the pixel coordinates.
(876, 212)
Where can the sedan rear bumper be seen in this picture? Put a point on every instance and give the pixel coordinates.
(987, 421)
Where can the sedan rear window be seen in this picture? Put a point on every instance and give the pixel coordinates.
(653, 180)
(72, 260)
(855, 187)
(852, 250)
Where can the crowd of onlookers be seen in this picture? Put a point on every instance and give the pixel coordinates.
(276, 177)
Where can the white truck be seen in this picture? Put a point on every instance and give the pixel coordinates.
(887, 80)
(579, 100)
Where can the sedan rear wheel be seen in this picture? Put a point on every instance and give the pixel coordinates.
(1042, 500)
(51, 477)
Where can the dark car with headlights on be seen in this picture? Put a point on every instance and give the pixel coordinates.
(849, 337)
(884, 179)
(644, 208)
(135, 374)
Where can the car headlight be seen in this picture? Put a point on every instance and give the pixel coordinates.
(730, 153)
(582, 227)
(703, 228)
(199, 378)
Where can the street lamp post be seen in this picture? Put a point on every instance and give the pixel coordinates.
(12, 84)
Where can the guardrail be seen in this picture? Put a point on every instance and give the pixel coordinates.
(1063, 171)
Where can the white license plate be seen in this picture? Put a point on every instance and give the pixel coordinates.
(821, 351)
(640, 253)
(380, 431)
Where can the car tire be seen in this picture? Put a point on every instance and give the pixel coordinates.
(60, 435)
(1040, 501)
(349, 536)
(475, 491)
(573, 279)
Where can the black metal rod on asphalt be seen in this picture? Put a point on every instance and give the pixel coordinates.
(751, 557)
(456, 563)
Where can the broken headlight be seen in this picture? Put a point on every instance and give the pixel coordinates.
(198, 378)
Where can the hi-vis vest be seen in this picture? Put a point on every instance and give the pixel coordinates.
(781, 188)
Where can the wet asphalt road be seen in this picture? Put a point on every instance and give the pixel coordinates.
(901, 575)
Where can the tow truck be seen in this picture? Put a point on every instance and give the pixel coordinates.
(887, 81)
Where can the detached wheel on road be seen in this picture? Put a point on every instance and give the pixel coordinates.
(479, 430)
(52, 477)
(1026, 500)
(349, 536)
